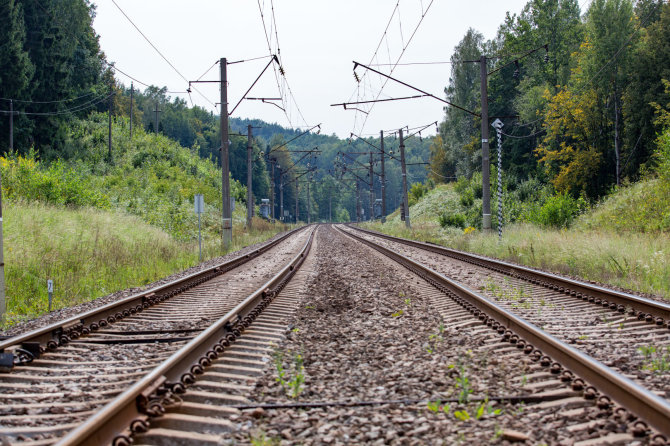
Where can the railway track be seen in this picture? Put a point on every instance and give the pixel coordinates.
(630, 334)
(196, 394)
(57, 376)
(587, 375)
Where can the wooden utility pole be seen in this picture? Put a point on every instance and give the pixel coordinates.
(405, 200)
(156, 120)
(227, 221)
(109, 113)
(11, 125)
(132, 90)
(250, 197)
(383, 176)
(486, 182)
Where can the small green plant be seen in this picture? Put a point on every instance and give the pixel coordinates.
(657, 359)
(462, 415)
(582, 337)
(485, 408)
(261, 439)
(397, 313)
(434, 406)
(292, 385)
(463, 384)
(408, 302)
(309, 307)
(296, 330)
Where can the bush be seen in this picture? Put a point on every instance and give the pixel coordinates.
(558, 211)
(417, 191)
(28, 179)
(456, 219)
(467, 198)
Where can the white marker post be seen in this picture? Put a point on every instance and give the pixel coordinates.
(199, 202)
(50, 290)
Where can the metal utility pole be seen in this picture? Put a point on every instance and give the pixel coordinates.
(132, 90)
(225, 169)
(281, 196)
(11, 125)
(405, 200)
(156, 113)
(3, 305)
(297, 195)
(358, 201)
(250, 198)
(309, 217)
(109, 113)
(486, 182)
(383, 176)
(372, 189)
(272, 194)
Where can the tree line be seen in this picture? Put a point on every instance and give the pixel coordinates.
(581, 114)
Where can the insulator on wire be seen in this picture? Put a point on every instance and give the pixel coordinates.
(356, 77)
(546, 54)
(516, 71)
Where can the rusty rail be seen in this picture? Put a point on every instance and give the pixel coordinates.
(640, 401)
(651, 310)
(129, 412)
(60, 333)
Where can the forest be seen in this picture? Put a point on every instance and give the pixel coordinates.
(580, 94)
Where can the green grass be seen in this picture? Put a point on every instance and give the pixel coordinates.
(600, 246)
(90, 253)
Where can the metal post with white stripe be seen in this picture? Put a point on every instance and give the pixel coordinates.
(498, 125)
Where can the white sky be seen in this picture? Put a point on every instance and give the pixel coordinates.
(318, 41)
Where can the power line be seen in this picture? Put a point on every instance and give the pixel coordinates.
(410, 63)
(149, 41)
(74, 109)
(159, 52)
(49, 102)
(423, 15)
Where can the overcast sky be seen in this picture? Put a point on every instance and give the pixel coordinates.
(318, 40)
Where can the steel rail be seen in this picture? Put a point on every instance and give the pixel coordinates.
(640, 401)
(61, 332)
(648, 309)
(129, 412)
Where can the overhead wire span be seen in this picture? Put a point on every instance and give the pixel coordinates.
(74, 109)
(409, 41)
(49, 102)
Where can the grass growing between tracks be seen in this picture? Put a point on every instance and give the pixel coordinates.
(90, 253)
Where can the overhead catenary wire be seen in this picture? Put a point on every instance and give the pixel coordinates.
(409, 41)
(160, 53)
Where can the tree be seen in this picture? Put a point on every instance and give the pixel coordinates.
(610, 28)
(17, 69)
(459, 131)
(650, 64)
